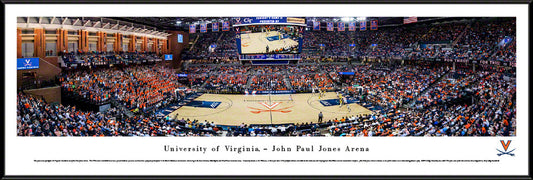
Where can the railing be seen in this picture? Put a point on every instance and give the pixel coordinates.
(461, 35)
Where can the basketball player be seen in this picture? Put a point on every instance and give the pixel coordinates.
(290, 97)
(340, 101)
(348, 107)
(345, 100)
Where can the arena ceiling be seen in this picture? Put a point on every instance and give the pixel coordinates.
(181, 23)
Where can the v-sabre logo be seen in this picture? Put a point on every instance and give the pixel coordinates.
(505, 148)
(28, 62)
(270, 108)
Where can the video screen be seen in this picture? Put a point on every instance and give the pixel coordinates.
(270, 39)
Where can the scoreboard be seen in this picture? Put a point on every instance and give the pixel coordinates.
(242, 21)
(269, 38)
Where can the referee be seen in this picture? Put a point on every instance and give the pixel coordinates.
(320, 116)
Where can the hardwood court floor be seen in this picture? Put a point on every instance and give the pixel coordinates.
(258, 109)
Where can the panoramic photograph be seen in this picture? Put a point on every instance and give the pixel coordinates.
(266, 76)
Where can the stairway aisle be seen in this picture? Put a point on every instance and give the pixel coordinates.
(461, 35)
(411, 103)
(122, 108)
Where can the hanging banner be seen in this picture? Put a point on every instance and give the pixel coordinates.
(340, 26)
(225, 26)
(238, 39)
(203, 28)
(192, 28)
(214, 27)
(362, 25)
(316, 25)
(374, 25)
(330, 26)
(351, 26)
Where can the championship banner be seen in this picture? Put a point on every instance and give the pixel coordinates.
(192, 28)
(362, 25)
(214, 27)
(340, 26)
(351, 26)
(203, 28)
(374, 25)
(225, 26)
(330, 26)
(316, 25)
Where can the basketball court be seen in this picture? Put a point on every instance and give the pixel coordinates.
(257, 42)
(266, 109)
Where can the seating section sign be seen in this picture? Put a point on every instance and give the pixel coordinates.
(27, 63)
(168, 57)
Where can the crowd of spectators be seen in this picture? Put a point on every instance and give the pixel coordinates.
(273, 82)
(507, 52)
(414, 100)
(104, 58)
(202, 69)
(137, 87)
(307, 82)
(226, 46)
(202, 45)
(268, 69)
(227, 79)
(449, 88)
(306, 129)
(463, 103)
(474, 38)
(302, 69)
(35, 117)
(197, 80)
(229, 83)
(391, 87)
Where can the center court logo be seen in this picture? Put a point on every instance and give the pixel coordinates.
(505, 146)
(270, 108)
